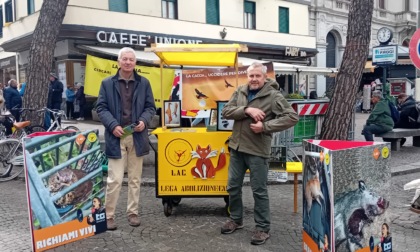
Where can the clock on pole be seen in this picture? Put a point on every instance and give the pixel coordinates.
(384, 35)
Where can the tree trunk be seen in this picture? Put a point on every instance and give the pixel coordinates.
(41, 55)
(341, 110)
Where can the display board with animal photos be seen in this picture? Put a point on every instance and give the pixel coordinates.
(65, 188)
(346, 195)
(223, 124)
(172, 113)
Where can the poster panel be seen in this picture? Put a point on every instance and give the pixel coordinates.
(346, 187)
(202, 88)
(98, 69)
(65, 188)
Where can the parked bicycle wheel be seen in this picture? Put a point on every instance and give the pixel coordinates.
(72, 128)
(10, 151)
(36, 128)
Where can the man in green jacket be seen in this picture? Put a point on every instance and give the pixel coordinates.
(380, 120)
(258, 109)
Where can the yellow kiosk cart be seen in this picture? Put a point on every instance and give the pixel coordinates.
(191, 162)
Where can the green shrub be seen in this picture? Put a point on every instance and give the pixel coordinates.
(294, 96)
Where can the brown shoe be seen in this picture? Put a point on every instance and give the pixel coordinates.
(259, 237)
(230, 226)
(110, 224)
(133, 220)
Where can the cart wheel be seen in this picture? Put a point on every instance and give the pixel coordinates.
(176, 201)
(167, 209)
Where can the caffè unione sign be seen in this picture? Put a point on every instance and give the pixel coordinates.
(139, 39)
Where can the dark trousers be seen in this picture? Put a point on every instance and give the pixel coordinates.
(69, 109)
(82, 110)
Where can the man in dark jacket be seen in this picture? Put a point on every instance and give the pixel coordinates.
(125, 99)
(408, 114)
(13, 99)
(258, 109)
(55, 94)
(13, 102)
(81, 100)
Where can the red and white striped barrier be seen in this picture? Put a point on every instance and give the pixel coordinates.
(312, 109)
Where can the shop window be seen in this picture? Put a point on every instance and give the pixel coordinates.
(1, 21)
(283, 20)
(31, 7)
(212, 12)
(170, 9)
(118, 5)
(249, 15)
(381, 4)
(8, 11)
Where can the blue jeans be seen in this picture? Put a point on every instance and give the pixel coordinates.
(369, 130)
(258, 166)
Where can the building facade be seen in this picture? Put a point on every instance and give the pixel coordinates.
(328, 23)
(272, 29)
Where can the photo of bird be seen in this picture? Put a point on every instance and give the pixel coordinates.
(227, 84)
(200, 95)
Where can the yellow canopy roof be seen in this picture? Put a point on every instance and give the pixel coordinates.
(198, 54)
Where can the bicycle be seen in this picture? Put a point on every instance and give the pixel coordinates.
(56, 125)
(11, 151)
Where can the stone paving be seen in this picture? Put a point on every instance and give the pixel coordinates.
(195, 224)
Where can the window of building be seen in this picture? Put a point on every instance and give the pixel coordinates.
(170, 9)
(249, 15)
(1, 21)
(212, 12)
(118, 5)
(283, 20)
(8, 11)
(381, 4)
(407, 5)
(31, 7)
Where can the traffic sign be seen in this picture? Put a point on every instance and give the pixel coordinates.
(415, 49)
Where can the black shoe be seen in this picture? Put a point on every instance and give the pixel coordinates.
(403, 141)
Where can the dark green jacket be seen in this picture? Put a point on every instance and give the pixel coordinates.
(381, 115)
(279, 115)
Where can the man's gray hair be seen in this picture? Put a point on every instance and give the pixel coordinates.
(125, 50)
(11, 81)
(378, 94)
(257, 65)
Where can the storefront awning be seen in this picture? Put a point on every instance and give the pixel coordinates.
(142, 56)
(369, 67)
(290, 69)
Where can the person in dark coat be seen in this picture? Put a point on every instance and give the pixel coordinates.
(81, 100)
(13, 99)
(408, 114)
(13, 102)
(125, 106)
(55, 94)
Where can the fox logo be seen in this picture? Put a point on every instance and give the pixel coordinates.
(204, 168)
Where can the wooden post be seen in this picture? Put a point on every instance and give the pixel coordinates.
(295, 189)
(162, 110)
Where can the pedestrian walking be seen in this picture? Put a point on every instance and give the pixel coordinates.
(70, 96)
(258, 109)
(125, 99)
(81, 100)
